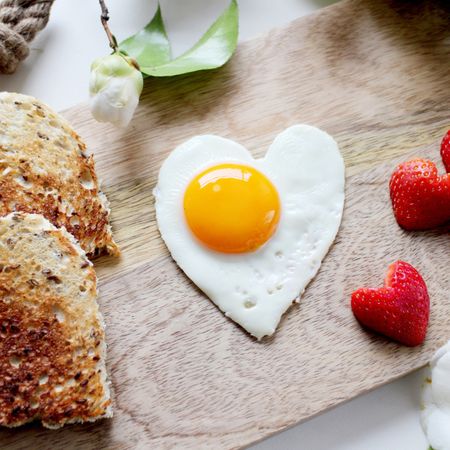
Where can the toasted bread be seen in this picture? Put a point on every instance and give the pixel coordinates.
(44, 170)
(52, 343)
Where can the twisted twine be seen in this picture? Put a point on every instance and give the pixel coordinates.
(20, 20)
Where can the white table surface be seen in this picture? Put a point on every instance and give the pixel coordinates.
(57, 72)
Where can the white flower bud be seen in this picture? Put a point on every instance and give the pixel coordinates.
(115, 87)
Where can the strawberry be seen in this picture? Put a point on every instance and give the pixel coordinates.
(445, 151)
(400, 309)
(420, 197)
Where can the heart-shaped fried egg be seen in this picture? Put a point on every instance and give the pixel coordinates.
(251, 233)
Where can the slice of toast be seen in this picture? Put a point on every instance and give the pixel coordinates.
(52, 342)
(44, 170)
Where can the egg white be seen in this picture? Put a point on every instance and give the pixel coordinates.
(254, 289)
(436, 400)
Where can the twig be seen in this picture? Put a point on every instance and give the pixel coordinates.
(104, 18)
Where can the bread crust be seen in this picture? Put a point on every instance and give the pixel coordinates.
(44, 169)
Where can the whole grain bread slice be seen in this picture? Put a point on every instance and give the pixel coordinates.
(44, 169)
(52, 341)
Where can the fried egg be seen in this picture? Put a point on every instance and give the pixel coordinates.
(251, 233)
(436, 400)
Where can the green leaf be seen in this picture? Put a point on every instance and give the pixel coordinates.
(213, 49)
(150, 46)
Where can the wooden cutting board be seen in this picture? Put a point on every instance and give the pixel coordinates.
(374, 74)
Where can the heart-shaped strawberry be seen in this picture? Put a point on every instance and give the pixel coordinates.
(445, 151)
(400, 309)
(420, 196)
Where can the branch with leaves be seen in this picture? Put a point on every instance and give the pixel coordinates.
(117, 79)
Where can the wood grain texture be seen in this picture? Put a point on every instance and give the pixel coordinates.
(375, 75)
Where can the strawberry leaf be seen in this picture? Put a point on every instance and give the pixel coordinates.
(150, 46)
(213, 49)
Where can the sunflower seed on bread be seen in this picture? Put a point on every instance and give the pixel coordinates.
(44, 170)
(52, 342)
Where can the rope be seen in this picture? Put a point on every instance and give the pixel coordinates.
(20, 20)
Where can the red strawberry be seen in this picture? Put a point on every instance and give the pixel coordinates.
(420, 197)
(445, 151)
(400, 309)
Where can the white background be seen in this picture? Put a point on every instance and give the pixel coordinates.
(57, 72)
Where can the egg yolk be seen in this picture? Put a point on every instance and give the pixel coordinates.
(232, 208)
